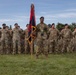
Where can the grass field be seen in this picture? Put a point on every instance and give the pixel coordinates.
(55, 64)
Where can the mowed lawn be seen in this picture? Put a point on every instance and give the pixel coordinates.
(55, 64)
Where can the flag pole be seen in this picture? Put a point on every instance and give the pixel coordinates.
(32, 40)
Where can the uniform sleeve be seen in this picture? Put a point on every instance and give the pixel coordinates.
(62, 33)
(71, 34)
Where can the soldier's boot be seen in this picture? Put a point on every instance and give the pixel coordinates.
(46, 51)
(19, 50)
(26, 52)
(68, 50)
(35, 48)
(2, 50)
(7, 50)
(50, 49)
(63, 50)
(37, 55)
(14, 51)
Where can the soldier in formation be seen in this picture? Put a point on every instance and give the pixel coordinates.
(42, 38)
(53, 39)
(48, 39)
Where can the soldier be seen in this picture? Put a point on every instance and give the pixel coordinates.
(27, 48)
(74, 33)
(16, 40)
(53, 38)
(49, 25)
(66, 34)
(0, 38)
(73, 41)
(8, 35)
(4, 40)
(41, 40)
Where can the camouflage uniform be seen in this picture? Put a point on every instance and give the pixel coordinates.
(53, 38)
(16, 41)
(4, 41)
(41, 40)
(27, 50)
(66, 35)
(10, 41)
(73, 42)
(59, 45)
(0, 39)
(22, 41)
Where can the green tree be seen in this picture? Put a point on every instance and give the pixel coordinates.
(72, 26)
(60, 26)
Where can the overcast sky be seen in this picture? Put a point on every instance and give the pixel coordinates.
(18, 11)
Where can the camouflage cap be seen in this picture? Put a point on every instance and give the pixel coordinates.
(49, 25)
(27, 25)
(15, 24)
(66, 24)
(41, 17)
(3, 24)
(53, 24)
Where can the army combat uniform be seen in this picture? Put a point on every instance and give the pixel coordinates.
(16, 41)
(27, 48)
(66, 36)
(73, 42)
(53, 38)
(4, 41)
(41, 40)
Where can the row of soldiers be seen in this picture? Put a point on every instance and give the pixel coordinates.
(48, 39)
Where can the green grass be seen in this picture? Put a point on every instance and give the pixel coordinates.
(58, 64)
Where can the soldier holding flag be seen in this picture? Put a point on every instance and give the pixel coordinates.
(41, 40)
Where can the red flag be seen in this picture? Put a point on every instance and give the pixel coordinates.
(32, 23)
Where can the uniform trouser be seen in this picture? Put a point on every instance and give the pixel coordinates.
(4, 47)
(27, 47)
(16, 47)
(52, 46)
(66, 45)
(10, 45)
(42, 47)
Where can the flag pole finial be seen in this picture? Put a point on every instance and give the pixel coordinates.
(32, 5)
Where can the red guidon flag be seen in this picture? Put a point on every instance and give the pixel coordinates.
(32, 24)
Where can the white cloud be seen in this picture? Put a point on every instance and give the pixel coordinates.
(66, 15)
(61, 15)
(10, 20)
(71, 10)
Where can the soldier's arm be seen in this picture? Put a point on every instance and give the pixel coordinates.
(37, 30)
(0, 33)
(62, 33)
(11, 33)
(58, 34)
(48, 32)
(71, 34)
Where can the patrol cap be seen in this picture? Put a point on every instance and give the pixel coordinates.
(27, 25)
(15, 24)
(41, 17)
(49, 25)
(53, 24)
(66, 24)
(3, 24)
